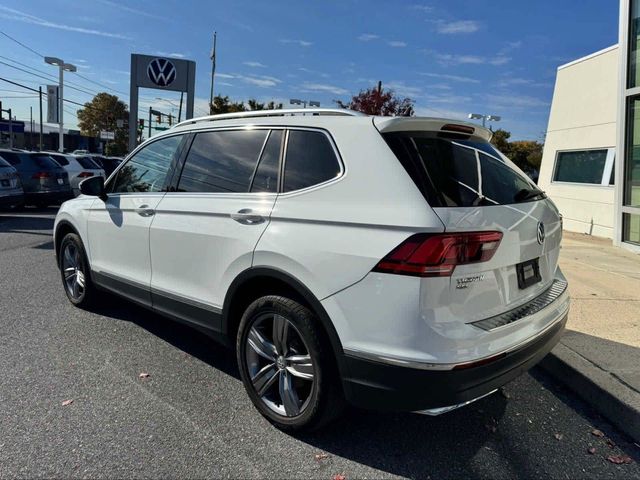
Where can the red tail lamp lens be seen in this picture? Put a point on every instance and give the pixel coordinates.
(39, 175)
(85, 174)
(425, 255)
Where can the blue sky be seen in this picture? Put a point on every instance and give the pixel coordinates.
(452, 57)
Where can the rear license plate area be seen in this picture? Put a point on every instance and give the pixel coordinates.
(5, 183)
(528, 273)
(60, 181)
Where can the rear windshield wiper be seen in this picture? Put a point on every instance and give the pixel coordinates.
(527, 194)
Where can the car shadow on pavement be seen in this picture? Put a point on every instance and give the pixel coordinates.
(23, 222)
(181, 336)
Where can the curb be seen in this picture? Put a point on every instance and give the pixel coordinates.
(614, 400)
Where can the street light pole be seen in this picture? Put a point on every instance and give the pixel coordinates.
(485, 118)
(62, 67)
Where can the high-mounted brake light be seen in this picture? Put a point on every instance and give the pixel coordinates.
(85, 174)
(426, 255)
(452, 127)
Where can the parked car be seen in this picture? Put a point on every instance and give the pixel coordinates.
(108, 164)
(398, 263)
(43, 180)
(11, 192)
(78, 167)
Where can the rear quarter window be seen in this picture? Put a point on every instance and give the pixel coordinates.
(44, 162)
(310, 160)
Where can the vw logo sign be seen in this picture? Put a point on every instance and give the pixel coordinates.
(161, 72)
(540, 233)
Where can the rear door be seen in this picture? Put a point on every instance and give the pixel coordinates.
(204, 233)
(472, 187)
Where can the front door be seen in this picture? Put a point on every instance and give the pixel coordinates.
(118, 228)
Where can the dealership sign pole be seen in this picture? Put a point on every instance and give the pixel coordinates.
(159, 73)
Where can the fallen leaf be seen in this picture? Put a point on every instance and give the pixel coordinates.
(559, 436)
(592, 450)
(144, 375)
(491, 427)
(611, 443)
(597, 433)
(505, 394)
(619, 459)
(339, 476)
(67, 402)
(321, 456)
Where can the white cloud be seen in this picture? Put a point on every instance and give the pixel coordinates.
(423, 8)
(447, 98)
(225, 75)
(254, 64)
(403, 89)
(302, 43)
(454, 78)
(367, 37)
(170, 54)
(16, 15)
(516, 101)
(397, 44)
(126, 8)
(459, 26)
(322, 87)
(262, 81)
(451, 59)
(500, 60)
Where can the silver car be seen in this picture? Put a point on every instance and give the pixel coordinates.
(11, 193)
(78, 167)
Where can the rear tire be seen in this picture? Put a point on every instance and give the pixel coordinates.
(75, 272)
(286, 365)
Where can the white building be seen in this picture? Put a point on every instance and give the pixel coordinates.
(591, 161)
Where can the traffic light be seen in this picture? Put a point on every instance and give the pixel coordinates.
(141, 124)
(159, 118)
(170, 120)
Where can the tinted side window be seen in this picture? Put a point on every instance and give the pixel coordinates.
(266, 177)
(60, 159)
(86, 162)
(310, 160)
(12, 158)
(147, 170)
(222, 161)
(44, 161)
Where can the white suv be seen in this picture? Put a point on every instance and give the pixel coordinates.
(398, 263)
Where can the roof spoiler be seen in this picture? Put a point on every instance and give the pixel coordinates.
(407, 124)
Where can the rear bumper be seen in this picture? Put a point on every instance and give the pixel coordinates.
(382, 386)
(48, 197)
(8, 201)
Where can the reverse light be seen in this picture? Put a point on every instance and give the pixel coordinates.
(427, 255)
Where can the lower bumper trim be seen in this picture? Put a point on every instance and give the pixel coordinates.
(433, 412)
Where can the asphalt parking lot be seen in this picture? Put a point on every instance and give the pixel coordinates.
(191, 418)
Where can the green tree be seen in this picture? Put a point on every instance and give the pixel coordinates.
(102, 113)
(378, 101)
(500, 140)
(225, 105)
(526, 154)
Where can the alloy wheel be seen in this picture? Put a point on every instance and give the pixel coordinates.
(280, 367)
(73, 271)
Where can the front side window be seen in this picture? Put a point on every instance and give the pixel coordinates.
(310, 160)
(222, 161)
(147, 170)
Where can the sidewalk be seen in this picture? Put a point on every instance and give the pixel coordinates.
(599, 356)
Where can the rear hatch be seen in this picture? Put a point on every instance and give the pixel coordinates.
(46, 174)
(472, 187)
(9, 180)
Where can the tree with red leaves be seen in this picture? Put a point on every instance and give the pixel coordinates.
(377, 101)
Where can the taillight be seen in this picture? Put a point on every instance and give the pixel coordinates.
(85, 174)
(39, 175)
(427, 255)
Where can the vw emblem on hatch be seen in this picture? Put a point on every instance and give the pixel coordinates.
(161, 72)
(540, 233)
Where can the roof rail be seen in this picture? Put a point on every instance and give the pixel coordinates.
(272, 113)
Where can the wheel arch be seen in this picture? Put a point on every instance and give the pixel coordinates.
(258, 281)
(63, 227)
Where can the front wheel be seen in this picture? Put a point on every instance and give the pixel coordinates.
(74, 269)
(286, 365)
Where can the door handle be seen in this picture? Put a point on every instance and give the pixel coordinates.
(145, 211)
(247, 217)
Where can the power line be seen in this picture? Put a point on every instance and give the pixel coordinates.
(45, 78)
(100, 84)
(21, 44)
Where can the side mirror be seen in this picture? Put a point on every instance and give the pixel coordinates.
(93, 186)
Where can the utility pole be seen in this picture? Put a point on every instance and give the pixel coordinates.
(150, 110)
(213, 72)
(30, 128)
(40, 93)
(10, 129)
(180, 109)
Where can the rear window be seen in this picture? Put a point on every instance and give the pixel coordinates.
(12, 158)
(459, 172)
(44, 161)
(60, 159)
(4, 163)
(86, 162)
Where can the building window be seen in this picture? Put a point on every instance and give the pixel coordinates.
(633, 77)
(631, 228)
(594, 167)
(632, 168)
